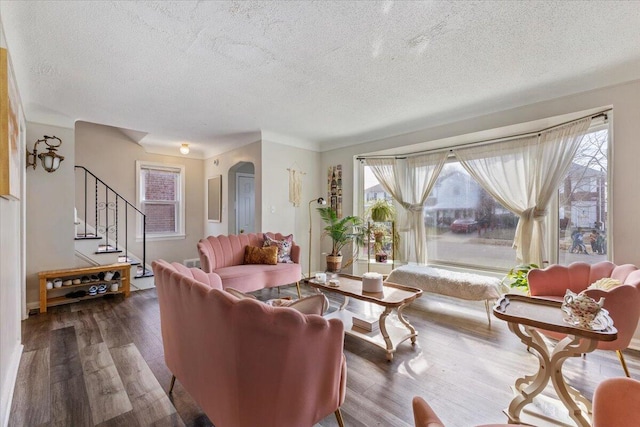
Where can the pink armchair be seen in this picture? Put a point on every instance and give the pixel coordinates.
(424, 416)
(246, 363)
(615, 403)
(622, 302)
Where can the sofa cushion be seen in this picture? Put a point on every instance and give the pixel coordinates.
(284, 246)
(268, 255)
(251, 277)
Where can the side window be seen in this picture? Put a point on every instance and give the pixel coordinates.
(161, 199)
(583, 203)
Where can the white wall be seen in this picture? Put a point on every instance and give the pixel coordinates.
(50, 201)
(279, 215)
(11, 286)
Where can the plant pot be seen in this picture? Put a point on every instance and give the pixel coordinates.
(381, 257)
(334, 263)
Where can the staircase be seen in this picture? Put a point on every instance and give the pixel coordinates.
(110, 229)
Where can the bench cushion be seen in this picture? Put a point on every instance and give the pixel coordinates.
(466, 286)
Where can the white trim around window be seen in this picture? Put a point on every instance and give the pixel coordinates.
(179, 201)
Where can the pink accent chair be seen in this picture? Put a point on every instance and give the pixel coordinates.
(245, 363)
(224, 255)
(615, 403)
(622, 302)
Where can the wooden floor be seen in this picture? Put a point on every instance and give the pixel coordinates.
(100, 363)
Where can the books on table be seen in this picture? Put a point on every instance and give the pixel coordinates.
(369, 324)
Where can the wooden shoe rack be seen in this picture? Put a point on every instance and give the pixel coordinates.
(56, 296)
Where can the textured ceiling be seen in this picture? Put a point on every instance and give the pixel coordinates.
(215, 74)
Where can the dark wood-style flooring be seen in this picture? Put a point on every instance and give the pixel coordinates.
(100, 363)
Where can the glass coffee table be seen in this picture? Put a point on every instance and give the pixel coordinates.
(393, 297)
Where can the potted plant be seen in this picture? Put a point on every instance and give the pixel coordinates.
(342, 231)
(380, 211)
(516, 278)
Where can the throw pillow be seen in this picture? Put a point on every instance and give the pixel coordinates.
(606, 283)
(314, 304)
(284, 247)
(256, 255)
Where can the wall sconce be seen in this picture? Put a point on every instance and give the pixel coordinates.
(184, 149)
(50, 160)
(319, 201)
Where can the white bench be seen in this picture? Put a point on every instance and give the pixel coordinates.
(467, 286)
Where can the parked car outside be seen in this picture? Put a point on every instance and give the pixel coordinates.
(464, 225)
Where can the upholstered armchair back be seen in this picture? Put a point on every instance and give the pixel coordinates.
(554, 280)
(246, 363)
(228, 250)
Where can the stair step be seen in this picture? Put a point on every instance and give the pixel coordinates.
(147, 273)
(87, 237)
(131, 261)
(112, 251)
(107, 249)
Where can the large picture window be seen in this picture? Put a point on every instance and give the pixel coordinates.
(160, 197)
(467, 227)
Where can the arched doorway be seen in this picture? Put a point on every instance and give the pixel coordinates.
(242, 198)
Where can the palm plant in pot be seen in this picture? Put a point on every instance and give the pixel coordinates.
(342, 231)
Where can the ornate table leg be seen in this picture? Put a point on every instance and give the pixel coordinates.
(406, 323)
(529, 386)
(385, 334)
(344, 303)
(570, 347)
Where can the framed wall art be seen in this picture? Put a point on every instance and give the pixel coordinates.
(214, 199)
(9, 131)
(334, 189)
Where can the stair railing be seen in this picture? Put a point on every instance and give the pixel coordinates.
(107, 207)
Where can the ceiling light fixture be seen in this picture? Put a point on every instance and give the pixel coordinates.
(184, 148)
(50, 160)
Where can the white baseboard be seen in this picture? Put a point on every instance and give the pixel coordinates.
(6, 394)
(33, 305)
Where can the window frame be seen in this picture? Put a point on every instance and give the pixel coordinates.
(553, 217)
(180, 198)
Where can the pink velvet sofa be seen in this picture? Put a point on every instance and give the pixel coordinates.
(224, 255)
(245, 363)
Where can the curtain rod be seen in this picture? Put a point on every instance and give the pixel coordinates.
(602, 113)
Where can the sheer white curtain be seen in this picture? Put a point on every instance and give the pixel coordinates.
(522, 175)
(409, 181)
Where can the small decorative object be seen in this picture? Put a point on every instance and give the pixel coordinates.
(334, 283)
(381, 257)
(57, 283)
(372, 282)
(321, 277)
(49, 284)
(581, 309)
(114, 287)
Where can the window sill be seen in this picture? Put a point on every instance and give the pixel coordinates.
(155, 237)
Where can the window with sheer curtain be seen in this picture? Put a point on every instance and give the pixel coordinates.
(468, 226)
